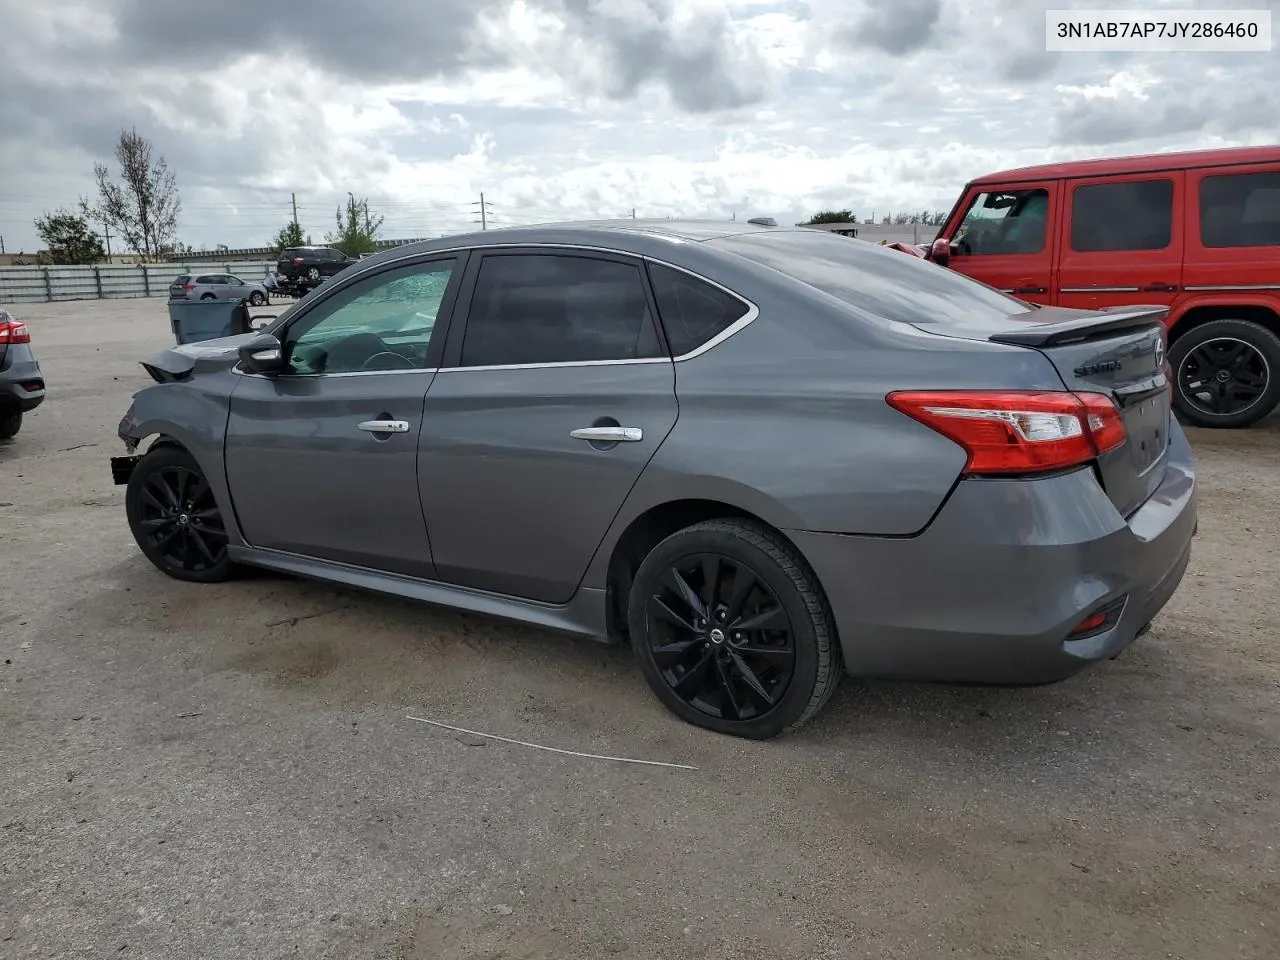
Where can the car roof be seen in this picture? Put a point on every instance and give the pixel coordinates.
(640, 237)
(1145, 163)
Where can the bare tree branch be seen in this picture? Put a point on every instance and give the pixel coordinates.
(144, 205)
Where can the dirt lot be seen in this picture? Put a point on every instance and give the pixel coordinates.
(228, 771)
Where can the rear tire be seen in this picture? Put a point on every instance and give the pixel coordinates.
(1226, 373)
(208, 296)
(10, 423)
(732, 630)
(175, 519)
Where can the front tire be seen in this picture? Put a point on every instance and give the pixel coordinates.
(1226, 373)
(732, 631)
(10, 423)
(208, 296)
(175, 519)
(256, 299)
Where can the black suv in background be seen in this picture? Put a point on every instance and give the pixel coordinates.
(302, 268)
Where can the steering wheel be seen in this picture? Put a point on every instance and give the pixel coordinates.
(397, 362)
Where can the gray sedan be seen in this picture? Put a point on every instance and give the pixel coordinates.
(217, 286)
(761, 457)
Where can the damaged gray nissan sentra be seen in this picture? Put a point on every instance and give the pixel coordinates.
(762, 457)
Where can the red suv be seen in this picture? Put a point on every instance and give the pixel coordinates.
(1198, 233)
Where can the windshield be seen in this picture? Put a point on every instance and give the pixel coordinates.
(881, 281)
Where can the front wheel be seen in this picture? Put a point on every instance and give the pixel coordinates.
(1226, 373)
(732, 631)
(174, 517)
(208, 296)
(10, 423)
(257, 299)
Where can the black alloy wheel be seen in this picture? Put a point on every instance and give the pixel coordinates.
(732, 631)
(1225, 373)
(1223, 377)
(175, 518)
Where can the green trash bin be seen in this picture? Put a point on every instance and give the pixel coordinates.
(196, 320)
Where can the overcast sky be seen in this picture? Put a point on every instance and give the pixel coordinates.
(581, 108)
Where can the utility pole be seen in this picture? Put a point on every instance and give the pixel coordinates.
(106, 233)
(366, 216)
(484, 215)
(633, 213)
(293, 197)
(1, 245)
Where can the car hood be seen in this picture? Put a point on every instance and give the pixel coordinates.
(185, 360)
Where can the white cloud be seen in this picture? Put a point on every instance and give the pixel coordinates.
(584, 108)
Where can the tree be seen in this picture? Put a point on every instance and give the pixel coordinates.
(357, 233)
(144, 205)
(831, 216)
(290, 235)
(69, 239)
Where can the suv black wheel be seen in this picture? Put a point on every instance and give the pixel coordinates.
(10, 423)
(732, 630)
(257, 299)
(174, 517)
(1226, 373)
(313, 274)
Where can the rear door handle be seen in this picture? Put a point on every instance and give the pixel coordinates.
(608, 434)
(1030, 289)
(1160, 288)
(384, 426)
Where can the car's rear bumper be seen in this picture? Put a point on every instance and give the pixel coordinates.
(991, 591)
(21, 382)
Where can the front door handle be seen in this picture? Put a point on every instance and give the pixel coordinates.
(1030, 289)
(608, 434)
(1160, 288)
(384, 426)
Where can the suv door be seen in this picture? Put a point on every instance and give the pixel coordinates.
(1121, 241)
(322, 460)
(555, 394)
(1001, 237)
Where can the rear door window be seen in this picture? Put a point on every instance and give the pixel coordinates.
(1124, 216)
(1240, 210)
(554, 308)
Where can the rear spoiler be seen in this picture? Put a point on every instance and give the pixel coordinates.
(1092, 326)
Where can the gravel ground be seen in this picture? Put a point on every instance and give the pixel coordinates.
(228, 771)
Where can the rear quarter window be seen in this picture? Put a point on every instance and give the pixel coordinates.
(1240, 210)
(883, 282)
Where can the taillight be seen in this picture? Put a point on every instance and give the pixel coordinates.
(13, 331)
(188, 286)
(297, 261)
(1018, 432)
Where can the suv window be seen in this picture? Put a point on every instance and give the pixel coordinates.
(1240, 210)
(1004, 222)
(550, 308)
(1130, 215)
(692, 311)
(207, 278)
(383, 323)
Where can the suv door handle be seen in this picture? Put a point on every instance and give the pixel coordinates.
(1030, 289)
(384, 426)
(1160, 288)
(608, 434)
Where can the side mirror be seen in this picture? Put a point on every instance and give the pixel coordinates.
(940, 251)
(262, 354)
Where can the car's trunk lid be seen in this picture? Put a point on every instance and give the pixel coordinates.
(1119, 353)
